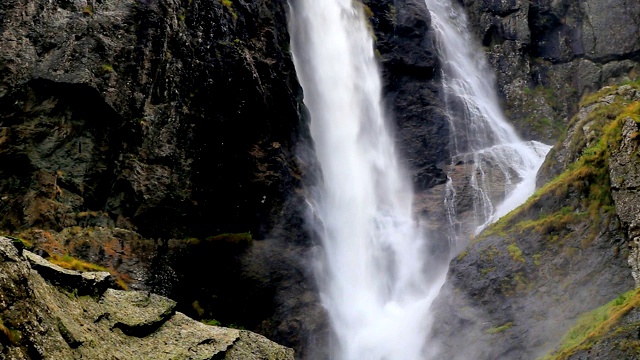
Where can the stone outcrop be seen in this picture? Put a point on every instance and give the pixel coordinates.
(43, 316)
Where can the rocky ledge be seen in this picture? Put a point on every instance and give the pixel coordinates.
(47, 312)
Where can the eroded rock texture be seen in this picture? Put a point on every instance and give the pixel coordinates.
(44, 316)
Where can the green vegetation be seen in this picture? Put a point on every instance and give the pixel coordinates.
(536, 259)
(367, 11)
(8, 335)
(594, 325)
(392, 13)
(499, 329)
(515, 252)
(485, 271)
(27, 244)
(87, 10)
(229, 5)
(71, 263)
(531, 105)
(106, 69)
(211, 322)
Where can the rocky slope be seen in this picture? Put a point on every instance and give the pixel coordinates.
(51, 313)
(519, 287)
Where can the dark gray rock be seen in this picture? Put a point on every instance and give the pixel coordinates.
(41, 321)
(547, 54)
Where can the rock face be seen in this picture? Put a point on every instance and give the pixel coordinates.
(121, 113)
(133, 131)
(43, 316)
(547, 54)
(522, 283)
(410, 70)
(124, 124)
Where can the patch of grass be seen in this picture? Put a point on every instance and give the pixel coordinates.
(106, 69)
(27, 244)
(536, 259)
(595, 324)
(87, 10)
(71, 263)
(488, 270)
(489, 253)
(211, 322)
(229, 5)
(232, 238)
(462, 254)
(499, 329)
(515, 252)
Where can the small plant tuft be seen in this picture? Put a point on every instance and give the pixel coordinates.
(87, 10)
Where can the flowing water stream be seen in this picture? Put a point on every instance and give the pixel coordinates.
(373, 270)
(371, 276)
(499, 168)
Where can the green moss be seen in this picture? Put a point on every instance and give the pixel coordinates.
(106, 69)
(9, 335)
(515, 252)
(488, 254)
(229, 5)
(462, 255)
(536, 259)
(593, 325)
(486, 271)
(367, 11)
(499, 329)
(232, 238)
(71, 263)
(211, 322)
(16, 240)
(87, 10)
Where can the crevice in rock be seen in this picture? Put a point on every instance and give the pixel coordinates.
(143, 330)
(223, 354)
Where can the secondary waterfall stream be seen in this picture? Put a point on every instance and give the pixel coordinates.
(371, 276)
(499, 167)
(372, 272)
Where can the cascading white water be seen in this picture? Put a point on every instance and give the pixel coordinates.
(497, 160)
(371, 276)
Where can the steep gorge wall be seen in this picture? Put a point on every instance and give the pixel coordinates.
(124, 124)
(547, 54)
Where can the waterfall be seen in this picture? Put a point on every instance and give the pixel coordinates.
(371, 275)
(489, 158)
